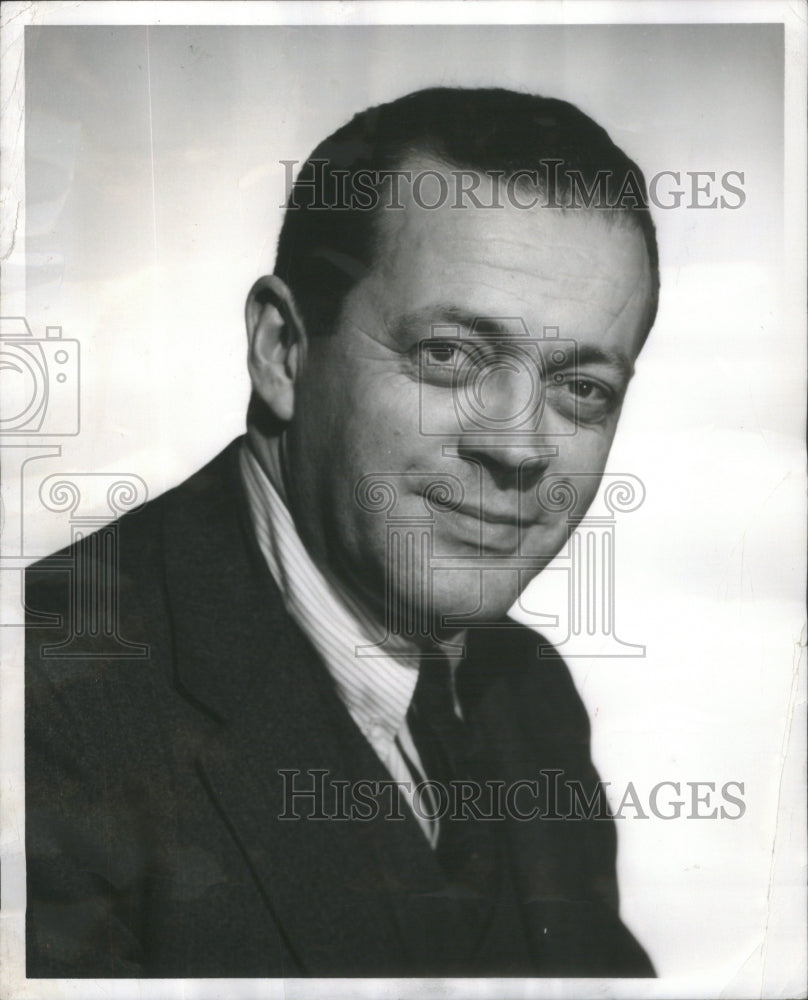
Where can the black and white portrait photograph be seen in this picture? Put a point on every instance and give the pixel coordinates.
(403, 501)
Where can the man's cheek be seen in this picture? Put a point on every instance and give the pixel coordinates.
(586, 450)
(544, 540)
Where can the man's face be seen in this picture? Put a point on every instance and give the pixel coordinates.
(442, 370)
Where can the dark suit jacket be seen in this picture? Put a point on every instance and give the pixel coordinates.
(154, 846)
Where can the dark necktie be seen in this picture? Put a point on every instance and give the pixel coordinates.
(450, 750)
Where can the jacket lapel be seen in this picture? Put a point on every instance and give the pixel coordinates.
(538, 729)
(532, 732)
(348, 895)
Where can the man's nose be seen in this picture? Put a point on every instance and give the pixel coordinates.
(516, 463)
(506, 427)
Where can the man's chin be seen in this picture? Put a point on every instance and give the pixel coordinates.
(473, 597)
(442, 605)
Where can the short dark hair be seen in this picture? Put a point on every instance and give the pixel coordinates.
(327, 243)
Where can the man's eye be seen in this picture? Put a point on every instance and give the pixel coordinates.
(584, 389)
(582, 399)
(440, 352)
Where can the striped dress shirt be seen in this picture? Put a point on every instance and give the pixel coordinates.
(376, 690)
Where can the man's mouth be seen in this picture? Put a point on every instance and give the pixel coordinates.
(504, 515)
(495, 530)
(489, 516)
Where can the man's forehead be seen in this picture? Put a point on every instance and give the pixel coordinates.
(509, 262)
(554, 243)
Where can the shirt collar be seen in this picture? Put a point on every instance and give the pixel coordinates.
(375, 687)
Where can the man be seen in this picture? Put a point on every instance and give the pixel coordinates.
(273, 790)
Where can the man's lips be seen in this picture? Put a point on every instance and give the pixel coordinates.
(487, 516)
(487, 530)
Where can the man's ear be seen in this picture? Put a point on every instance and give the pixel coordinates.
(276, 344)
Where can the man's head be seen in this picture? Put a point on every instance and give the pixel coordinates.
(446, 312)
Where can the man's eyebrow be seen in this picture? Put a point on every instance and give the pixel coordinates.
(431, 319)
(591, 354)
(423, 320)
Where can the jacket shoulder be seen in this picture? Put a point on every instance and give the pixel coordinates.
(125, 552)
